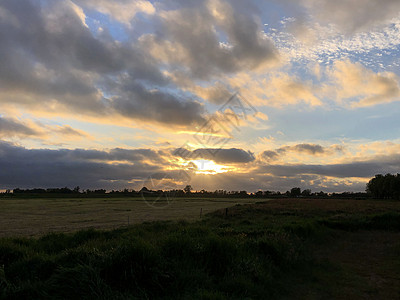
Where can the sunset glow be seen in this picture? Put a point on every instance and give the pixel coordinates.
(209, 167)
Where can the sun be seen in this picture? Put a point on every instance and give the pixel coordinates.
(209, 167)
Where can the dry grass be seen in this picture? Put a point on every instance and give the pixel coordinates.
(32, 217)
(329, 206)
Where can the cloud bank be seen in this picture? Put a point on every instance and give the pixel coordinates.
(125, 168)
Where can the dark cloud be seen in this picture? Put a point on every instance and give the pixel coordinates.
(20, 167)
(269, 155)
(115, 155)
(188, 38)
(221, 156)
(51, 61)
(309, 149)
(363, 169)
(11, 127)
(40, 48)
(139, 103)
(121, 168)
(52, 33)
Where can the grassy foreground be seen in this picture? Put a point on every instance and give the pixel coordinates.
(290, 249)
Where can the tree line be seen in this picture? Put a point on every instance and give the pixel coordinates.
(380, 187)
(188, 191)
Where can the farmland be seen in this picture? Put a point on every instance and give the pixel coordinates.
(36, 216)
(276, 249)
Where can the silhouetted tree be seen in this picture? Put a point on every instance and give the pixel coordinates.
(384, 187)
(295, 192)
(100, 191)
(243, 193)
(188, 189)
(144, 189)
(259, 193)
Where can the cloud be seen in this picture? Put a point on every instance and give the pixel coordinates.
(137, 102)
(270, 155)
(252, 182)
(49, 61)
(116, 155)
(353, 80)
(128, 168)
(59, 66)
(220, 156)
(11, 127)
(117, 168)
(79, 11)
(69, 131)
(278, 89)
(225, 156)
(121, 10)
(309, 149)
(302, 38)
(188, 38)
(361, 169)
(215, 92)
(353, 15)
(283, 90)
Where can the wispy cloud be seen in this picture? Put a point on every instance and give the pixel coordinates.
(11, 127)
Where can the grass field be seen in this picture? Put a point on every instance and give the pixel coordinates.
(354, 244)
(278, 249)
(32, 217)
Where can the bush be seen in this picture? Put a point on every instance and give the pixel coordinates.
(137, 267)
(386, 221)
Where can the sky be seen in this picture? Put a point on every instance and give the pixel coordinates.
(232, 95)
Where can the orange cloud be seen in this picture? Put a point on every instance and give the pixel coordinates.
(353, 80)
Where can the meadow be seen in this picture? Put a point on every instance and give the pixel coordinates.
(37, 216)
(277, 249)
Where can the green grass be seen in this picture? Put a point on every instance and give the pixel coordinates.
(281, 249)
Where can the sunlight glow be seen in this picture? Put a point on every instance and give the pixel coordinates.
(210, 167)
